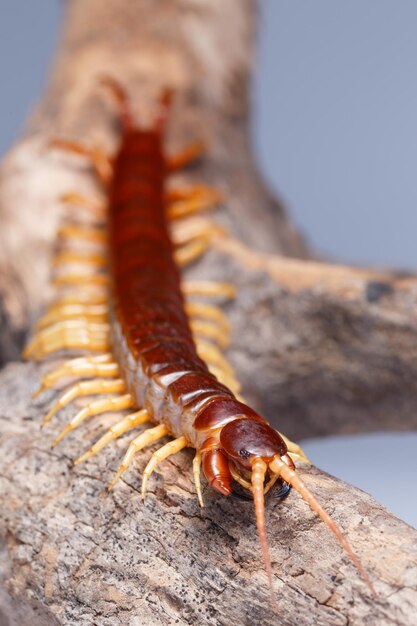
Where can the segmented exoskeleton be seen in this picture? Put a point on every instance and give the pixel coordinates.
(158, 352)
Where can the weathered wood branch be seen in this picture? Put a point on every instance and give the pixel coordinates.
(148, 46)
(320, 349)
(95, 558)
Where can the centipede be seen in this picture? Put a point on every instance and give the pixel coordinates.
(142, 338)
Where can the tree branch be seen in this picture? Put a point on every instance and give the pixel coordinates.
(320, 349)
(97, 558)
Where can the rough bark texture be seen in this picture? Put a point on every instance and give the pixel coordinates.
(320, 349)
(108, 559)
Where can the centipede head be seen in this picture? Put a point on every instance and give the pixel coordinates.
(251, 445)
(250, 450)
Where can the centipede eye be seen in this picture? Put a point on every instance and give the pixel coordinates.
(245, 454)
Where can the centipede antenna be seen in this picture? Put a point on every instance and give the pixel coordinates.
(120, 95)
(259, 468)
(164, 105)
(291, 477)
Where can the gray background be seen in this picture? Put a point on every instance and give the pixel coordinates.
(335, 132)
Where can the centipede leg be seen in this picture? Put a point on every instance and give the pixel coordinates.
(191, 251)
(97, 366)
(186, 156)
(80, 339)
(170, 448)
(142, 440)
(196, 473)
(95, 261)
(92, 234)
(208, 288)
(45, 339)
(90, 280)
(195, 226)
(93, 205)
(85, 388)
(208, 330)
(117, 403)
(296, 452)
(88, 313)
(210, 352)
(127, 423)
(226, 379)
(99, 160)
(183, 203)
(206, 311)
(80, 298)
(238, 478)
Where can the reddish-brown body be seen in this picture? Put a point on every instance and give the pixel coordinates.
(151, 335)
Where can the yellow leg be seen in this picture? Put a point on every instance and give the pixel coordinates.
(99, 160)
(170, 448)
(86, 233)
(93, 205)
(75, 340)
(87, 303)
(210, 352)
(226, 379)
(116, 403)
(246, 484)
(91, 280)
(86, 388)
(175, 194)
(196, 474)
(191, 251)
(208, 312)
(70, 339)
(90, 313)
(100, 366)
(97, 261)
(208, 288)
(211, 331)
(80, 298)
(185, 156)
(45, 337)
(142, 440)
(183, 203)
(271, 482)
(127, 423)
(295, 451)
(195, 228)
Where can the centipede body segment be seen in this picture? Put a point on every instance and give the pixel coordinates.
(147, 343)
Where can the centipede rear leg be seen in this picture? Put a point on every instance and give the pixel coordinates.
(101, 163)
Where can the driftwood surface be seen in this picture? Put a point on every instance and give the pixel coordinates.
(320, 349)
